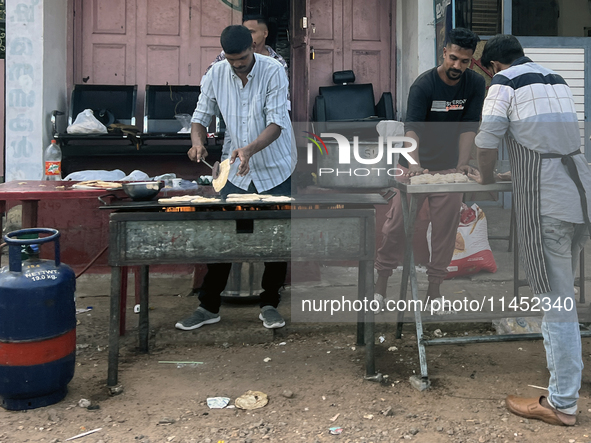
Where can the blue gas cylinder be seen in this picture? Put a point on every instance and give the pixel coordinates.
(37, 325)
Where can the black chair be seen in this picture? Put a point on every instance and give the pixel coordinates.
(110, 103)
(350, 108)
(161, 104)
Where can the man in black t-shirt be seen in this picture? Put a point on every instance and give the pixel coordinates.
(444, 107)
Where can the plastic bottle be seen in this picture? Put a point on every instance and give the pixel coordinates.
(53, 162)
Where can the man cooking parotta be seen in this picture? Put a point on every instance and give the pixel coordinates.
(533, 110)
(250, 92)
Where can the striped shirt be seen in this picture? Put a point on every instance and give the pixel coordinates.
(226, 149)
(535, 106)
(247, 111)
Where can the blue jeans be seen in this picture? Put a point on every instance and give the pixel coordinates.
(563, 242)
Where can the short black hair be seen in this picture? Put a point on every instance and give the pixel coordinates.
(236, 39)
(261, 19)
(503, 48)
(462, 37)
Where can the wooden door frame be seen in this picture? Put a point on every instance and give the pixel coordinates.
(300, 60)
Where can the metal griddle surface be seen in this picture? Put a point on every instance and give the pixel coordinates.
(305, 199)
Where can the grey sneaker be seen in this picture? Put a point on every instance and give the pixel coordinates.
(199, 318)
(271, 318)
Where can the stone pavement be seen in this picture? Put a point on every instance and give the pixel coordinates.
(240, 323)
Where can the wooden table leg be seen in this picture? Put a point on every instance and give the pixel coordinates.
(29, 214)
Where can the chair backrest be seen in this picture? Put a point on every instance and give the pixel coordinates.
(163, 102)
(118, 99)
(348, 102)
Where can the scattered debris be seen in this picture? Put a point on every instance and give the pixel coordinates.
(84, 434)
(83, 403)
(252, 400)
(218, 402)
(93, 407)
(182, 362)
(52, 415)
(335, 430)
(368, 416)
(115, 390)
(166, 421)
(81, 310)
(392, 348)
(538, 387)
(382, 339)
(388, 412)
(419, 383)
(267, 359)
(335, 417)
(437, 333)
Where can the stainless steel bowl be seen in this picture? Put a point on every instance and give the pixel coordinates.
(142, 190)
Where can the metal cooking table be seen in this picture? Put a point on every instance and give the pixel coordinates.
(409, 209)
(321, 227)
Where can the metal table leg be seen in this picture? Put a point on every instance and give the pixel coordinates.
(410, 213)
(405, 267)
(123, 298)
(366, 269)
(114, 326)
(144, 322)
(360, 296)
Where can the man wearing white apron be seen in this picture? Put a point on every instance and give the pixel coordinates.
(532, 109)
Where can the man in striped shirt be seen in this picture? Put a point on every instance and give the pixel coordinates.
(250, 92)
(532, 109)
(259, 30)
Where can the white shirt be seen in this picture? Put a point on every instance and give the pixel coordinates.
(247, 111)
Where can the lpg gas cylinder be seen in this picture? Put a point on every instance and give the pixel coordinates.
(37, 325)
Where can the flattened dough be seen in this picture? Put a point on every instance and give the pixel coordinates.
(429, 179)
(219, 182)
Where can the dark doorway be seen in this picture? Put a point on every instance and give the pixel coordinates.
(277, 13)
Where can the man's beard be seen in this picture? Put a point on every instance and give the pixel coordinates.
(450, 74)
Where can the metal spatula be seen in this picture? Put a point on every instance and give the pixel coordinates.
(215, 169)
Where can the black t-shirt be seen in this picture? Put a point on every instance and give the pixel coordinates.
(439, 113)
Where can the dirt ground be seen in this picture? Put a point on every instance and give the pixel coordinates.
(312, 374)
(314, 381)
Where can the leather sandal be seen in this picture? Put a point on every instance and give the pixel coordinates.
(538, 408)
